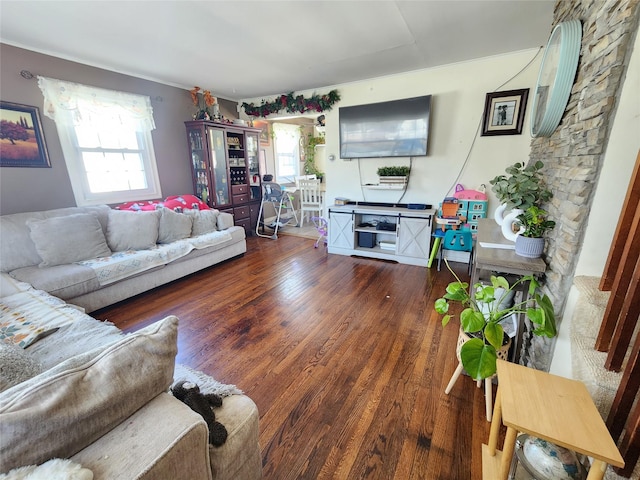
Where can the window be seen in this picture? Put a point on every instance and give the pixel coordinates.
(287, 152)
(106, 141)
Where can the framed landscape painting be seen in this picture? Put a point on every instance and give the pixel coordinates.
(21, 139)
(504, 112)
(264, 133)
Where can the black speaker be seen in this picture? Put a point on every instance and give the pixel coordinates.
(366, 239)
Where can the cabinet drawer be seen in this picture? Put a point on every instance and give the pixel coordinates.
(241, 212)
(246, 224)
(238, 189)
(240, 198)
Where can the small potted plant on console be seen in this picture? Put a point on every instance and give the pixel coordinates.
(394, 175)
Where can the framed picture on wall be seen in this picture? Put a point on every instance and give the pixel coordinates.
(504, 112)
(265, 137)
(21, 139)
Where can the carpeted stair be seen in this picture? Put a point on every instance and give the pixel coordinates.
(587, 363)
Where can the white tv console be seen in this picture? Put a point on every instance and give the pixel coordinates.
(352, 227)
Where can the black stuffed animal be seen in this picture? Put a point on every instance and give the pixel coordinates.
(202, 403)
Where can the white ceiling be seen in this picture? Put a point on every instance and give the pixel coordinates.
(244, 49)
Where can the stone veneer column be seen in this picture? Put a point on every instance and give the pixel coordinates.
(573, 155)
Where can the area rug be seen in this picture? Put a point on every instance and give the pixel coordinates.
(204, 381)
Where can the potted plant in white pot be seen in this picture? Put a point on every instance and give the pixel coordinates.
(533, 226)
(483, 314)
(520, 189)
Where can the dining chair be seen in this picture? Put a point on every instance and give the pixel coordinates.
(304, 177)
(310, 198)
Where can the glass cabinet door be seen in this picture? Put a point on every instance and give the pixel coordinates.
(253, 165)
(199, 164)
(221, 196)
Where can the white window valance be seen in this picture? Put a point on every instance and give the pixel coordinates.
(71, 104)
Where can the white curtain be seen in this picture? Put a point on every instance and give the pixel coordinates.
(71, 104)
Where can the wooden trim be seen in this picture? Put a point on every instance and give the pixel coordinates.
(626, 393)
(630, 445)
(621, 284)
(626, 322)
(631, 202)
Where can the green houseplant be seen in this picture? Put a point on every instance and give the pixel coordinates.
(484, 310)
(394, 177)
(522, 187)
(533, 224)
(310, 167)
(394, 171)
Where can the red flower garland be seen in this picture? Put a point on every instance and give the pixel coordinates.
(291, 104)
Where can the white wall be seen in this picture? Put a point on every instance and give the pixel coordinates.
(459, 93)
(619, 160)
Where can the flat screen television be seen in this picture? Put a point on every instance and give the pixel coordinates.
(398, 128)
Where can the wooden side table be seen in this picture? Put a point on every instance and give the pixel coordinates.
(550, 407)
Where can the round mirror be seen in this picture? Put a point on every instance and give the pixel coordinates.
(555, 78)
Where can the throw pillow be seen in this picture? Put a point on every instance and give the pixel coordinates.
(132, 230)
(64, 409)
(204, 221)
(174, 226)
(68, 239)
(26, 317)
(16, 366)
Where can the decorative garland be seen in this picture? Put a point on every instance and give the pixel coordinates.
(291, 104)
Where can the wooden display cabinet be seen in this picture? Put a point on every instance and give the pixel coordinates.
(225, 168)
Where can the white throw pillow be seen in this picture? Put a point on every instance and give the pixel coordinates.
(128, 230)
(68, 239)
(174, 226)
(204, 221)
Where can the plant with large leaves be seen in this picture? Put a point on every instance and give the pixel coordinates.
(485, 310)
(523, 186)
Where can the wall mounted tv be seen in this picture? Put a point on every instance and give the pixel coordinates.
(399, 128)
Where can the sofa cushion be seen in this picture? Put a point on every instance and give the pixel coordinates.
(225, 221)
(62, 410)
(16, 366)
(9, 285)
(64, 281)
(68, 239)
(204, 221)
(132, 230)
(173, 226)
(17, 250)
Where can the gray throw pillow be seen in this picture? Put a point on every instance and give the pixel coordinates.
(68, 239)
(174, 226)
(16, 366)
(128, 230)
(204, 221)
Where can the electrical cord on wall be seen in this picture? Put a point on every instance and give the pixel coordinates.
(364, 198)
(406, 185)
(475, 137)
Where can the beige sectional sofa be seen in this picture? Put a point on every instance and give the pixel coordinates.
(118, 256)
(75, 387)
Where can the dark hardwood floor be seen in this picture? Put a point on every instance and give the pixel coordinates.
(345, 358)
